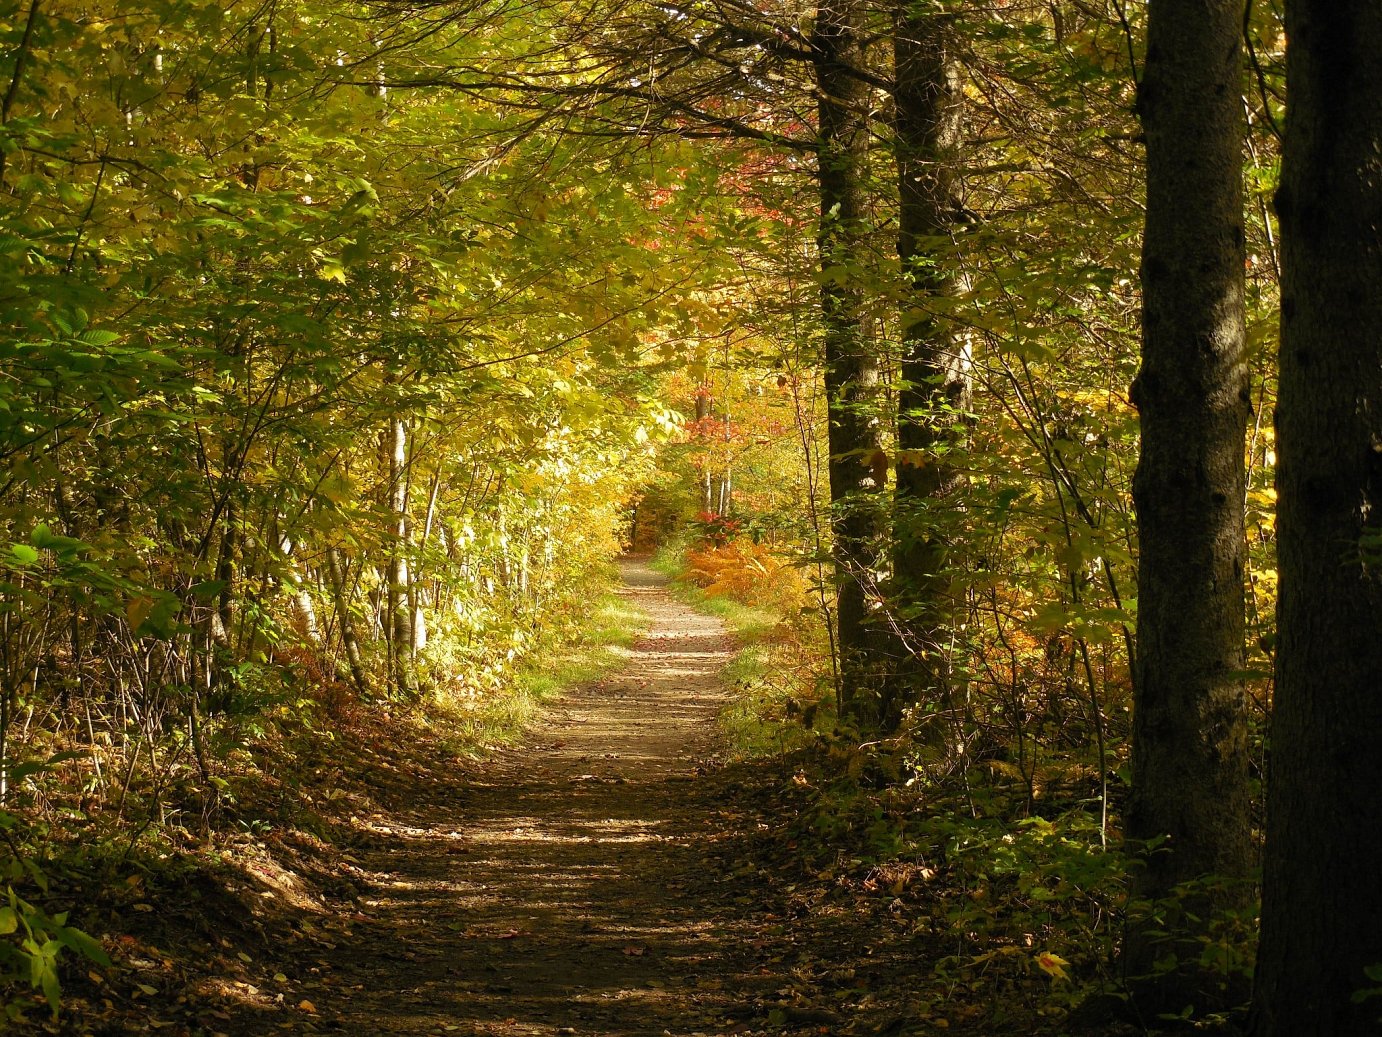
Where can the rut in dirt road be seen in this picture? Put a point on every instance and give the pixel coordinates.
(566, 890)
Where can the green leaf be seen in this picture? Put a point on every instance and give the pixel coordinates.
(207, 589)
(332, 270)
(46, 974)
(85, 945)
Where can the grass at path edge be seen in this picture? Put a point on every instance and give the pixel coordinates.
(758, 721)
(596, 645)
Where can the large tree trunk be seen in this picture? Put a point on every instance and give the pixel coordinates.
(1188, 813)
(934, 387)
(852, 366)
(1322, 906)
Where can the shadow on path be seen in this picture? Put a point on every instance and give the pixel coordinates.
(565, 887)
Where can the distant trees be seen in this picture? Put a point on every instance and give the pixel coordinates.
(1319, 968)
(875, 114)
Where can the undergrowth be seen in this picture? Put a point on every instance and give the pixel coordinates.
(589, 647)
(780, 694)
(284, 788)
(1011, 872)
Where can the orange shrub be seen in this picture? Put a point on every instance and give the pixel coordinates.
(746, 572)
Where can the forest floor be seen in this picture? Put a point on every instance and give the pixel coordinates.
(612, 877)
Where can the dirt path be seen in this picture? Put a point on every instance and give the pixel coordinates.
(563, 890)
(609, 879)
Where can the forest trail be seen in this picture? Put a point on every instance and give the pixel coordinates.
(610, 877)
(562, 888)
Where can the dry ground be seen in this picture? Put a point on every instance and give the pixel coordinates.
(611, 878)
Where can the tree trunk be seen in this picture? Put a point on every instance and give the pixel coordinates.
(706, 477)
(224, 618)
(1189, 808)
(852, 365)
(934, 386)
(416, 598)
(398, 625)
(1321, 908)
(306, 610)
(336, 573)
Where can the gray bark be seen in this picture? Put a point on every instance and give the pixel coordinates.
(398, 623)
(336, 574)
(706, 477)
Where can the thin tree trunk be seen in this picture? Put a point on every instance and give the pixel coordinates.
(1188, 814)
(398, 625)
(21, 62)
(417, 619)
(934, 387)
(1321, 908)
(725, 486)
(336, 574)
(703, 412)
(417, 614)
(301, 596)
(852, 365)
(224, 619)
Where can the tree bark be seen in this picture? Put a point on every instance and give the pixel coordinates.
(852, 365)
(1321, 908)
(934, 386)
(706, 477)
(336, 574)
(398, 624)
(1188, 814)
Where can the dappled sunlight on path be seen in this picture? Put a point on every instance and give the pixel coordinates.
(565, 889)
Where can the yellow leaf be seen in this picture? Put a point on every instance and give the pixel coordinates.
(332, 270)
(1052, 964)
(137, 610)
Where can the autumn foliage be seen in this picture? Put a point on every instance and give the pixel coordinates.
(747, 572)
